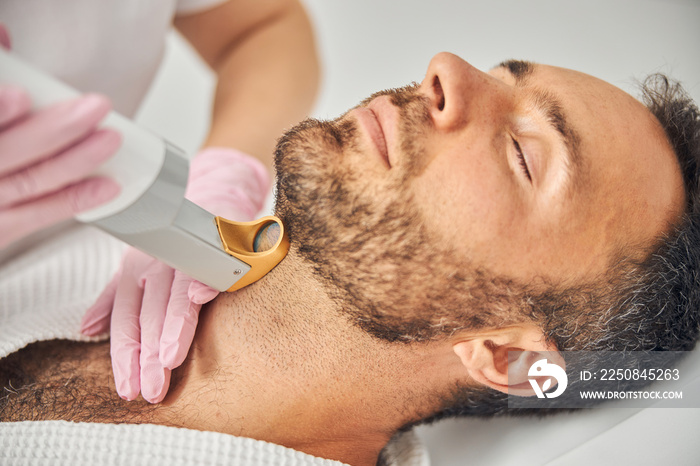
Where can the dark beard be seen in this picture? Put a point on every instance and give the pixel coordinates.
(368, 242)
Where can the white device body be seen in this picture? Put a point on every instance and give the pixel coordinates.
(151, 212)
(136, 164)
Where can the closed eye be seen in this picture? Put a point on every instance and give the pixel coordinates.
(521, 159)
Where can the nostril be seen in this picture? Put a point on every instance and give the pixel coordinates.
(440, 96)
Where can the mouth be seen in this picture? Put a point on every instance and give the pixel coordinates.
(378, 120)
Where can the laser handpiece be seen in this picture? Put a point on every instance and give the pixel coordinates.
(151, 212)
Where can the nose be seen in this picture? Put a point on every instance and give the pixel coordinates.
(458, 92)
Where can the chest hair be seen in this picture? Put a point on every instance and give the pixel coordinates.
(63, 380)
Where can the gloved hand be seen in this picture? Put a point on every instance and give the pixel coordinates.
(154, 309)
(46, 157)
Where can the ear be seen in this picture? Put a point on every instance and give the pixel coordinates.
(501, 358)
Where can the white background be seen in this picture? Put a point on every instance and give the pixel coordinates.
(367, 45)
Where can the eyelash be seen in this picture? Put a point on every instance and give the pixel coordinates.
(521, 158)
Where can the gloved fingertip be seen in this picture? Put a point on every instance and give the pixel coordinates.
(88, 322)
(125, 380)
(91, 329)
(106, 142)
(199, 293)
(97, 318)
(94, 191)
(172, 354)
(15, 103)
(127, 389)
(105, 188)
(177, 336)
(155, 380)
(92, 104)
(95, 321)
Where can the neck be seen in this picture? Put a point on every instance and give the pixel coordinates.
(276, 362)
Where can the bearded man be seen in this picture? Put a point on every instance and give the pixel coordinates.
(433, 229)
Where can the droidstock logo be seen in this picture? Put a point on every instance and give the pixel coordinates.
(541, 369)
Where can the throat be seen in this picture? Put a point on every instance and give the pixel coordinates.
(276, 362)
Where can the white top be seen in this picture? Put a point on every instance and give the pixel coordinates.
(44, 292)
(109, 46)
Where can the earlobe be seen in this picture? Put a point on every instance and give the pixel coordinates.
(500, 359)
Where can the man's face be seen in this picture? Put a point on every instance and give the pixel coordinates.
(415, 202)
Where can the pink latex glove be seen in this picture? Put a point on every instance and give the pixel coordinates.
(153, 308)
(46, 157)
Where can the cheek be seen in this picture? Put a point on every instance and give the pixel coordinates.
(469, 203)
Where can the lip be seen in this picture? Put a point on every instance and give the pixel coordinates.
(378, 119)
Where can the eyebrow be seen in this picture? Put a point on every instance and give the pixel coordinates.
(520, 69)
(550, 106)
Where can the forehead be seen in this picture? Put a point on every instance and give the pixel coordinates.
(627, 185)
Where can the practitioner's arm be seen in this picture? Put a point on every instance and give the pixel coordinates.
(265, 59)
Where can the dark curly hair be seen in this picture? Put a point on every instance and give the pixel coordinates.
(651, 304)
